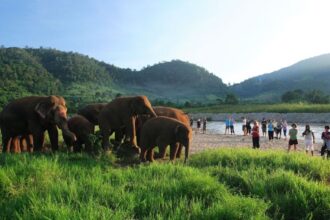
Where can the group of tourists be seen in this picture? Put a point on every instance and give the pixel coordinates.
(308, 134)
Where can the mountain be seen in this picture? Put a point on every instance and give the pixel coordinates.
(81, 79)
(309, 74)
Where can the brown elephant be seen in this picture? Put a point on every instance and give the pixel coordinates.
(34, 115)
(121, 113)
(82, 128)
(167, 112)
(91, 113)
(163, 131)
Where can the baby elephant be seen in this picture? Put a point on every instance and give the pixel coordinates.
(162, 131)
(81, 128)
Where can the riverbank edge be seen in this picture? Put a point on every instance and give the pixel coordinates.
(323, 118)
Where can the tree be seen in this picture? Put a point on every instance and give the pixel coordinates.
(316, 97)
(293, 96)
(231, 99)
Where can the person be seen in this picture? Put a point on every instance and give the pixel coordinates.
(248, 126)
(264, 126)
(279, 130)
(293, 137)
(326, 141)
(255, 135)
(285, 127)
(244, 126)
(191, 122)
(270, 130)
(227, 123)
(204, 125)
(198, 124)
(231, 125)
(309, 139)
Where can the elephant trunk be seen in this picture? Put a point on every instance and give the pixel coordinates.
(186, 153)
(152, 113)
(63, 125)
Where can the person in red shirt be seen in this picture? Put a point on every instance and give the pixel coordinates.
(255, 135)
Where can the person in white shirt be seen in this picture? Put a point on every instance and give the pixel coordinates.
(309, 139)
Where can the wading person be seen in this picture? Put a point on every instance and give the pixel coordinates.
(255, 135)
(270, 130)
(227, 124)
(309, 139)
(285, 128)
(244, 126)
(204, 125)
(293, 137)
(264, 127)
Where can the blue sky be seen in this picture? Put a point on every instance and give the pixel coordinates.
(234, 39)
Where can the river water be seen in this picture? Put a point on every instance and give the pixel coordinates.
(218, 127)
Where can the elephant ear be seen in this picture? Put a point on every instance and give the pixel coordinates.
(45, 106)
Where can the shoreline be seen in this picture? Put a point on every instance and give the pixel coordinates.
(290, 117)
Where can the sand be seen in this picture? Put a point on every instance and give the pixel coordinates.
(205, 141)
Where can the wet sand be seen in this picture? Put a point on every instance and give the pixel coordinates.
(202, 142)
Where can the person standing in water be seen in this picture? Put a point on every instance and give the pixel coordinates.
(270, 130)
(204, 125)
(264, 127)
(309, 139)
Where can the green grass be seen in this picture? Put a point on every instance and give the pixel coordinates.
(277, 108)
(217, 184)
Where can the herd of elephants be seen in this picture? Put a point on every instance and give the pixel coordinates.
(138, 126)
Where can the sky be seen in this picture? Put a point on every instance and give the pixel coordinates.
(233, 39)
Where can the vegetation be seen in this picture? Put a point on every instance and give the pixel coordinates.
(247, 108)
(81, 79)
(219, 184)
(314, 96)
(307, 75)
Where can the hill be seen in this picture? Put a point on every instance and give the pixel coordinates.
(309, 74)
(80, 78)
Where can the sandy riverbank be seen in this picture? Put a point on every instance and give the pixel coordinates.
(202, 142)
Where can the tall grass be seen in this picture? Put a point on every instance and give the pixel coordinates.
(277, 108)
(218, 184)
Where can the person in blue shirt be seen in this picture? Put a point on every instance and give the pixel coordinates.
(227, 123)
(270, 130)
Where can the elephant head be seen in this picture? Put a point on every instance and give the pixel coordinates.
(53, 110)
(140, 105)
(183, 135)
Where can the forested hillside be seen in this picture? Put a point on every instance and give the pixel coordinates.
(81, 79)
(307, 75)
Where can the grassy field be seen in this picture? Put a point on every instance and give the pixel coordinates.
(277, 108)
(218, 184)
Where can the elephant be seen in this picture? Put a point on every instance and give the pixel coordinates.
(81, 128)
(91, 113)
(162, 131)
(168, 112)
(34, 115)
(121, 113)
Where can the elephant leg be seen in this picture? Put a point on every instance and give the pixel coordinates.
(6, 142)
(162, 152)
(105, 138)
(143, 154)
(16, 144)
(53, 137)
(173, 150)
(178, 154)
(7, 147)
(77, 146)
(130, 131)
(38, 139)
(150, 155)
